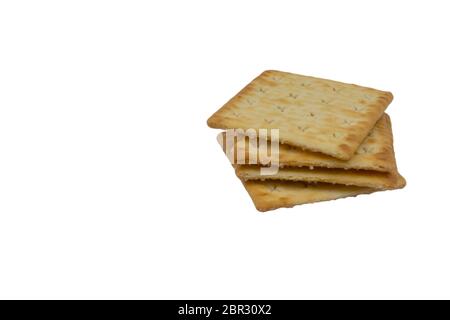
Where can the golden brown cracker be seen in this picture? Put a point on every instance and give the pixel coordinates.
(314, 114)
(362, 178)
(270, 195)
(375, 153)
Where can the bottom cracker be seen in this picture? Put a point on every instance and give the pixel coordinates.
(270, 195)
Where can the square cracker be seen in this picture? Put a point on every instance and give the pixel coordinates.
(311, 113)
(361, 178)
(375, 153)
(270, 195)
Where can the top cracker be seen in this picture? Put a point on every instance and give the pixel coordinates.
(311, 113)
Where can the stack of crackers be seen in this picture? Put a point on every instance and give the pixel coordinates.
(334, 139)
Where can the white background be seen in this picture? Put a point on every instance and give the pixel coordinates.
(112, 185)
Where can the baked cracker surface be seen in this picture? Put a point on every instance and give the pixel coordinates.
(362, 178)
(375, 153)
(311, 113)
(271, 195)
